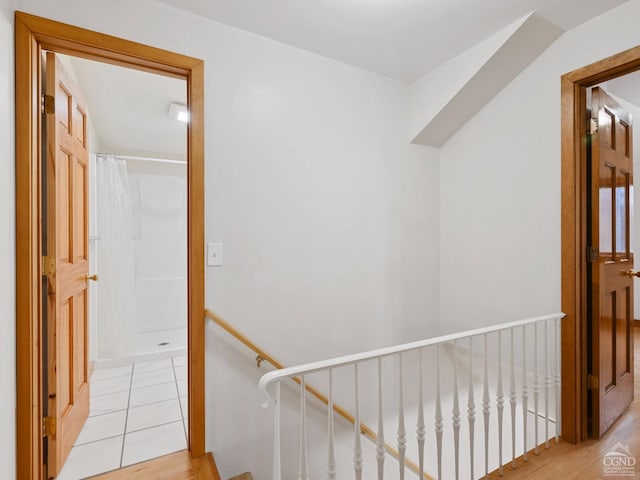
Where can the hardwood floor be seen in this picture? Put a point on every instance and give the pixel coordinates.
(176, 466)
(584, 461)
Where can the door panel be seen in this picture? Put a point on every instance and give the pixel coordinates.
(67, 242)
(611, 281)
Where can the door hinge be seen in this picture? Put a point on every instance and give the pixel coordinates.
(593, 126)
(48, 265)
(592, 254)
(48, 426)
(48, 104)
(592, 382)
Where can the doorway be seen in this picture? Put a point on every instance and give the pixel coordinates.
(33, 36)
(137, 258)
(575, 254)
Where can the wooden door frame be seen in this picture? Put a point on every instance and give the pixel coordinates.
(574, 233)
(32, 35)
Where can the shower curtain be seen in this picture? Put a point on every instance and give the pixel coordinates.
(116, 287)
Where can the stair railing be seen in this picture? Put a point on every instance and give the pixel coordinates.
(523, 334)
(262, 356)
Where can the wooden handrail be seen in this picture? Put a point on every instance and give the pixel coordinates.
(264, 356)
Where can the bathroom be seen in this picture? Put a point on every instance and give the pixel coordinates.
(137, 310)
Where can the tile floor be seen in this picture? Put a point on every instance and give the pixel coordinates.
(138, 412)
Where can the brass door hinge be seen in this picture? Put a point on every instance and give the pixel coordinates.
(48, 104)
(48, 265)
(593, 126)
(48, 426)
(592, 382)
(592, 254)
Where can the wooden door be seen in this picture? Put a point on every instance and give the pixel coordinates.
(611, 269)
(67, 252)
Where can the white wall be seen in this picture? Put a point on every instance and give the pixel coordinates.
(500, 186)
(329, 217)
(7, 247)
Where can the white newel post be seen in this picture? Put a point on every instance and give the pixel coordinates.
(438, 423)
(455, 414)
(420, 427)
(380, 450)
(471, 410)
(513, 400)
(303, 464)
(557, 360)
(536, 385)
(357, 443)
(277, 469)
(500, 402)
(486, 406)
(547, 383)
(525, 393)
(402, 433)
(331, 453)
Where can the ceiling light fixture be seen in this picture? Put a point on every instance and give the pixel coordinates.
(179, 112)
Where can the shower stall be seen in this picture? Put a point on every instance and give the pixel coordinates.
(139, 250)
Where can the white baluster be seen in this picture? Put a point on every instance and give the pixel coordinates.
(486, 407)
(536, 384)
(402, 433)
(455, 415)
(380, 452)
(420, 427)
(439, 424)
(500, 401)
(557, 360)
(357, 443)
(513, 400)
(547, 383)
(277, 470)
(331, 456)
(525, 393)
(303, 464)
(471, 410)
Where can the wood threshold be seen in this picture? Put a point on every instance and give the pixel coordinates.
(32, 35)
(175, 466)
(574, 234)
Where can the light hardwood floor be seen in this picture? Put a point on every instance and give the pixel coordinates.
(176, 466)
(584, 461)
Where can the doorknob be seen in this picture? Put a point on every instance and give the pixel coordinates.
(631, 273)
(93, 277)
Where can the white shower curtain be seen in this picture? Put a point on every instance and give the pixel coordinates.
(116, 287)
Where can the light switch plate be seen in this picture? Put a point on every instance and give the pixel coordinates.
(214, 254)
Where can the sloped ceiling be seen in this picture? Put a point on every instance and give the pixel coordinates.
(403, 39)
(486, 69)
(410, 40)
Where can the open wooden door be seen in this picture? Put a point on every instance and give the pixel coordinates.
(612, 276)
(66, 263)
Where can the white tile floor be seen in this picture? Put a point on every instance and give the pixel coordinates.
(138, 412)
